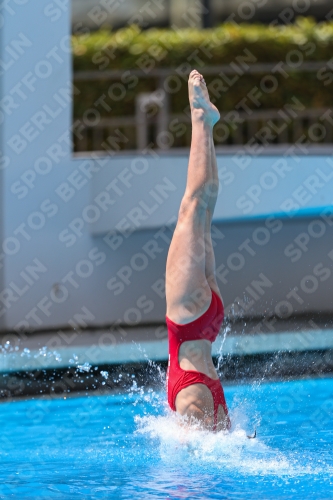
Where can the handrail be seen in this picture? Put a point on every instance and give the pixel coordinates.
(307, 66)
(92, 134)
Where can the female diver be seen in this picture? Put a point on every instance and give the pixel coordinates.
(194, 304)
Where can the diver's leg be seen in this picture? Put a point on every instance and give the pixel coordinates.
(210, 257)
(187, 290)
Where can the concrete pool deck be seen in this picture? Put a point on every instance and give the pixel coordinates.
(65, 349)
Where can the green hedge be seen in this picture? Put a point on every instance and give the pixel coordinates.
(224, 44)
(104, 50)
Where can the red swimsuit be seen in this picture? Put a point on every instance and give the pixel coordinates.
(206, 327)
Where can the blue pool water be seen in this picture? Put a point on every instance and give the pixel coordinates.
(130, 446)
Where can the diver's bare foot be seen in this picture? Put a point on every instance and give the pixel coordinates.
(200, 104)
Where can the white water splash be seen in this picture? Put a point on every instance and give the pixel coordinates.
(85, 367)
(226, 450)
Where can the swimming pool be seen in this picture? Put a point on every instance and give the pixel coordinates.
(128, 446)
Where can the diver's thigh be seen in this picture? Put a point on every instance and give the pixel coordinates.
(187, 290)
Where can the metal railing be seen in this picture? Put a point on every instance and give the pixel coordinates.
(149, 126)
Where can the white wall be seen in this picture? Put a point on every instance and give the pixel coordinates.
(44, 220)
